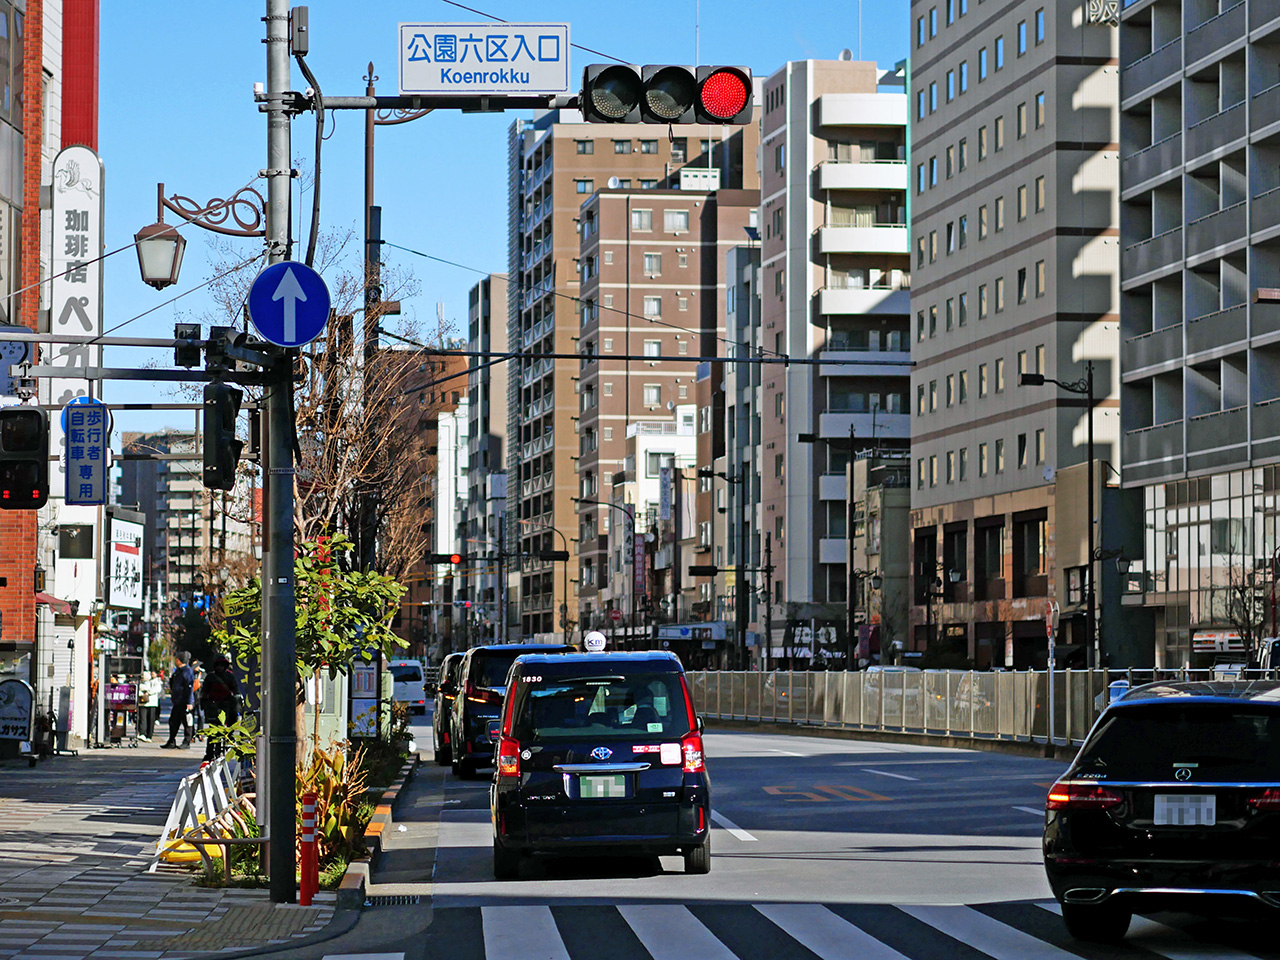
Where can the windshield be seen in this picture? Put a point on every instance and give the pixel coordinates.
(405, 671)
(489, 669)
(645, 705)
(1214, 741)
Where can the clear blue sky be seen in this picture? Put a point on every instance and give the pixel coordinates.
(177, 106)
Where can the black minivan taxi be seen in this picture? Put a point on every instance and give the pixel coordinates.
(446, 690)
(599, 753)
(482, 682)
(1173, 803)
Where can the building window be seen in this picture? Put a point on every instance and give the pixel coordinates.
(652, 394)
(921, 182)
(999, 294)
(999, 214)
(1022, 37)
(933, 245)
(608, 433)
(1022, 202)
(584, 186)
(779, 468)
(964, 309)
(999, 135)
(999, 374)
(1040, 26)
(962, 387)
(780, 282)
(653, 306)
(1040, 359)
(675, 221)
(951, 85)
(920, 248)
(964, 75)
(1040, 278)
(655, 460)
(653, 348)
(933, 96)
(982, 64)
(1022, 451)
(933, 320)
(682, 392)
(648, 184)
(779, 405)
(1040, 446)
(951, 466)
(951, 12)
(920, 36)
(682, 303)
(1022, 362)
(682, 260)
(999, 456)
(653, 264)
(919, 325)
(1039, 194)
(585, 146)
(607, 299)
(933, 396)
(780, 158)
(921, 109)
(622, 146)
(1022, 284)
(933, 171)
(920, 473)
(919, 399)
(679, 148)
(933, 469)
(1020, 121)
(951, 161)
(982, 459)
(982, 222)
(1000, 53)
(1039, 110)
(964, 464)
(982, 380)
(933, 22)
(982, 301)
(964, 154)
(951, 237)
(641, 219)
(950, 312)
(963, 227)
(982, 142)
(648, 146)
(951, 389)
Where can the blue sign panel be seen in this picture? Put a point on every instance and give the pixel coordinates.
(87, 425)
(289, 304)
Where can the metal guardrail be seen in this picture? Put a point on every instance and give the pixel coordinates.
(981, 705)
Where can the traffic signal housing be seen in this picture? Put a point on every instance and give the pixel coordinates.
(453, 559)
(221, 448)
(665, 93)
(24, 458)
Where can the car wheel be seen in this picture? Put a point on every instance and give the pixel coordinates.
(466, 769)
(455, 766)
(1099, 923)
(698, 859)
(506, 863)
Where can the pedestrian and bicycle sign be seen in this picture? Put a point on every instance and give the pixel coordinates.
(289, 304)
(495, 59)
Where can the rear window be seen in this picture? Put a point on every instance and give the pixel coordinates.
(402, 672)
(1215, 741)
(638, 705)
(489, 669)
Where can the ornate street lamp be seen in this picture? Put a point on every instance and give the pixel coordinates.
(160, 248)
(160, 245)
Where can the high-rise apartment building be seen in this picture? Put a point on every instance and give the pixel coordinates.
(1200, 308)
(653, 302)
(555, 163)
(1013, 221)
(833, 279)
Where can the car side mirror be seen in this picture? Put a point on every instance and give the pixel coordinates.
(495, 729)
(701, 725)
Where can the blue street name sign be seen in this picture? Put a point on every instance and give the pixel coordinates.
(87, 425)
(289, 304)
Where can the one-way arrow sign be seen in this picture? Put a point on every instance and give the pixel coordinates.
(289, 304)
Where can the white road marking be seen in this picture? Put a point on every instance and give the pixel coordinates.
(672, 933)
(825, 933)
(1036, 811)
(364, 956)
(886, 773)
(786, 753)
(989, 936)
(1178, 945)
(521, 933)
(732, 827)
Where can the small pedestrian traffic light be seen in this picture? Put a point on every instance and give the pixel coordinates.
(665, 93)
(24, 458)
(221, 448)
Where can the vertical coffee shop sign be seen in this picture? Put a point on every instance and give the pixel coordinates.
(75, 287)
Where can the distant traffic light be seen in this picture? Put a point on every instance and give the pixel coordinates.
(221, 448)
(186, 352)
(450, 558)
(24, 458)
(665, 93)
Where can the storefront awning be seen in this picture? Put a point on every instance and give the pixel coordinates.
(59, 606)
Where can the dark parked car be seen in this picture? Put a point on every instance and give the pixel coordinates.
(446, 689)
(599, 754)
(1172, 803)
(482, 682)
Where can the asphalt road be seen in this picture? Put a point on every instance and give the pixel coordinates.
(822, 848)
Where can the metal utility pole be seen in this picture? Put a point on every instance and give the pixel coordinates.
(278, 606)
(740, 572)
(768, 598)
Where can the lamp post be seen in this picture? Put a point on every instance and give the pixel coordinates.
(929, 572)
(564, 605)
(1084, 387)
(740, 559)
(855, 579)
(627, 511)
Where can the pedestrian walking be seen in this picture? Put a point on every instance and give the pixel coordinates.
(197, 701)
(149, 691)
(181, 686)
(218, 695)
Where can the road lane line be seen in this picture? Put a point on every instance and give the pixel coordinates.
(521, 933)
(732, 827)
(671, 932)
(886, 773)
(996, 939)
(786, 753)
(1037, 811)
(829, 936)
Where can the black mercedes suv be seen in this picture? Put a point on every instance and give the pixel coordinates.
(1173, 803)
(599, 753)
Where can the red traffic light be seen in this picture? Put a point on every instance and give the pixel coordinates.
(455, 558)
(724, 94)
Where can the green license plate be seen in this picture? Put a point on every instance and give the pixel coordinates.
(602, 787)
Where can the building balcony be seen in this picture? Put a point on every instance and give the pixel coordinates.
(1152, 349)
(1151, 69)
(1151, 162)
(832, 486)
(1214, 34)
(862, 110)
(1150, 255)
(887, 426)
(1266, 318)
(1219, 329)
(1217, 229)
(874, 175)
(1215, 132)
(1266, 210)
(1266, 420)
(881, 238)
(1218, 439)
(865, 363)
(860, 301)
(1161, 444)
(832, 550)
(1265, 108)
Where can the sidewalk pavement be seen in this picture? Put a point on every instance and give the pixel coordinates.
(76, 835)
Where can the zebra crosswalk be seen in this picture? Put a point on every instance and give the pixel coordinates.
(807, 931)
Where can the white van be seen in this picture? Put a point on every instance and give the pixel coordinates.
(408, 687)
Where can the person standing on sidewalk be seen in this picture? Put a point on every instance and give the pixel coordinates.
(218, 696)
(149, 692)
(181, 686)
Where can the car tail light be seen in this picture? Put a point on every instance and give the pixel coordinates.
(482, 695)
(1081, 796)
(1268, 799)
(508, 757)
(444, 736)
(691, 749)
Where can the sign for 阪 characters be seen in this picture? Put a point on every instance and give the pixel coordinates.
(490, 59)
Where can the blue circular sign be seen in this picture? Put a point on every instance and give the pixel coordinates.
(289, 304)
